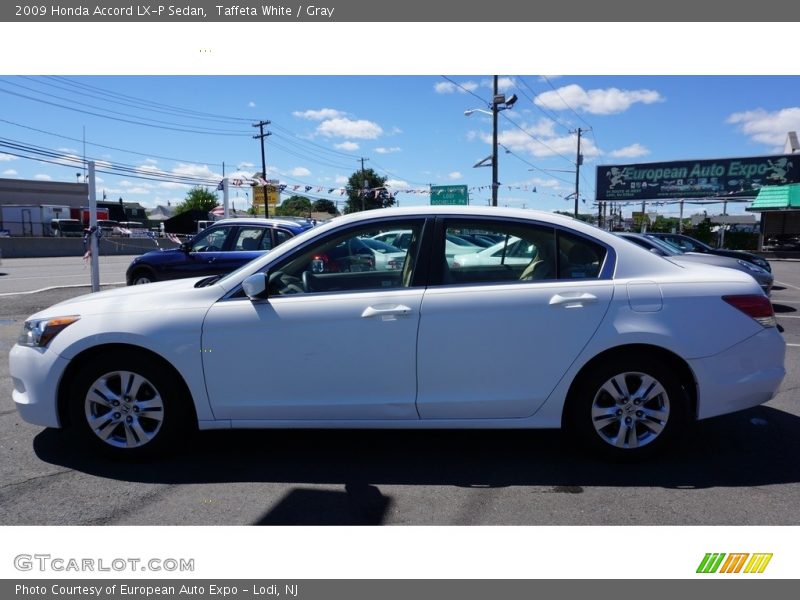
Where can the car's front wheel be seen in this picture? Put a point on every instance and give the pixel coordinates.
(127, 405)
(627, 408)
(142, 277)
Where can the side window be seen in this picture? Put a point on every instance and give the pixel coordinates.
(519, 252)
(249, 238)
(579, 257)
(281, 236)
(355, 260)
(211, 240)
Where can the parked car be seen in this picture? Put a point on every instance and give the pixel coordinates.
(454, 244)
(620, 347)
(358, 254)
(131, 229)
(218, 249)
(764, 278)
(512, 251)
(107, 226)
(690, 244)
(66, 228)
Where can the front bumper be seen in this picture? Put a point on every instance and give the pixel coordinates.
(743, 376)
(35, 375)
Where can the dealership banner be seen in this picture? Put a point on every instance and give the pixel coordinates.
(719, 178)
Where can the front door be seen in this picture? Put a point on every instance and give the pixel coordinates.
(325, 345)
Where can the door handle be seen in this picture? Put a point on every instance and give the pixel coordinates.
(386, 310)
(572, 299)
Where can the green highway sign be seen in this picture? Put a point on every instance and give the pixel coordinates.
(449, 194)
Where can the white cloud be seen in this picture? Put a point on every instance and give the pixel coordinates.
(10, 173)
(347, 146)
(597, 102)
(300, 172)
(397, 184)
(503, 83)
(539, 140)
(632, 151)
(151, 161)
(6, 157)
(349, 128)
(391, 150)
(341, 180)
(319, 115)
(43, 177)
(169, 185)
(769, 128)
(251, 104)
(455, 175)
(447, 87)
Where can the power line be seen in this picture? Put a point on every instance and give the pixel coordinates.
(565, 102)
(468, 91)
(127, 151)
(535, 139)
(131, 121)
(551, 117)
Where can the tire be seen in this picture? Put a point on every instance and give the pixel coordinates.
(627, 408)
(142, 277)
(128, 405)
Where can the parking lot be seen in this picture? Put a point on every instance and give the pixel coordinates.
(735, 470)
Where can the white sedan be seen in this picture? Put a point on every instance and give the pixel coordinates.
(594, 334)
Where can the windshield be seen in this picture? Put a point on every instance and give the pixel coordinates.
(666, 246)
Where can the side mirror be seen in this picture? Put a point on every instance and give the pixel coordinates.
(186, 247)
(255, 286)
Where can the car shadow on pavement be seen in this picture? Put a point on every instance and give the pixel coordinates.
(754, 447)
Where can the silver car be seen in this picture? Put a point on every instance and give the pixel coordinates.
(764, 278)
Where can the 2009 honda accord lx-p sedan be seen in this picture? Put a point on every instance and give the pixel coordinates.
(593, 334)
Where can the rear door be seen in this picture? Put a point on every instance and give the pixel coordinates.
(494, 340)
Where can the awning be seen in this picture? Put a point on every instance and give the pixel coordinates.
(777, 197)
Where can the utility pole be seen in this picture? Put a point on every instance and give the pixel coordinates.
(363, 185)
(495, 110)
(261, 136)
(578, 163)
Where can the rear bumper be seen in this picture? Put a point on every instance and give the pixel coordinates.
(743, 376)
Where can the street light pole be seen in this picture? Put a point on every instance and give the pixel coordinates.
(578, 161)
(495, 110)
(499, 102)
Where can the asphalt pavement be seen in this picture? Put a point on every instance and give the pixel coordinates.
(740, 469)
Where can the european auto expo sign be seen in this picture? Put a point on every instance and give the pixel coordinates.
(696, 178)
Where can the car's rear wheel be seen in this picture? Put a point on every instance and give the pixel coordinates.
(127, 405)
(627, 408)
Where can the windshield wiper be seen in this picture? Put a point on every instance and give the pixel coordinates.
(207, 281)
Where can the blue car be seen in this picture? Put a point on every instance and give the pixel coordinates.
(219, 249)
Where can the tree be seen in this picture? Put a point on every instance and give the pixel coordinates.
(375, 196)
(198, 198)
(296, 206)
(323, 205)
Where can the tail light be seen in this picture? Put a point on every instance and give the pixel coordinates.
(755, 307)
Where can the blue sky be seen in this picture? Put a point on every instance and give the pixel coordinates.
(412, 129)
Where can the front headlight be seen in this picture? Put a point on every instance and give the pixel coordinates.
(750, 266)
(37, 333)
